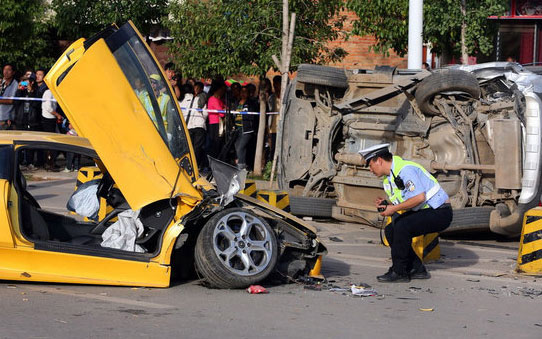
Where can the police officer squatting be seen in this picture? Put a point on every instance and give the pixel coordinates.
(418, 206)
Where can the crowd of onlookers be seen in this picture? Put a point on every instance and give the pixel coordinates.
(228, 136)
(35, 111)
(224, 135)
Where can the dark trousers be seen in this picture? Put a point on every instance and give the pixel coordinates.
(198, 135)
(49, 125)
(241, 146)
(215, 142)
(412, 224)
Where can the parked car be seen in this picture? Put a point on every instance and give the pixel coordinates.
(477, 129)
(115, 95)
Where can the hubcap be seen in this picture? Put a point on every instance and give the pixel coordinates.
(242, 243)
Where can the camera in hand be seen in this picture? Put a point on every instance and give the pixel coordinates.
(382, 209)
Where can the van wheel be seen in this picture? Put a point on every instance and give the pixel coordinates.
(235, 249)
(322, 75)
(448, 80)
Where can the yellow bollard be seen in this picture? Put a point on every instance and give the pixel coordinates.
(425, 246)
(279, 199)
(530, 246)
(250, 188)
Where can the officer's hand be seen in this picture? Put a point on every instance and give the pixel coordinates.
(378, 201)
(388, 211)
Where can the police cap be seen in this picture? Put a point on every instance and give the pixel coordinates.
(373, 151)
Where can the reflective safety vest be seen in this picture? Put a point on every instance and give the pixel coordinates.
(395, 194)
(163, 101)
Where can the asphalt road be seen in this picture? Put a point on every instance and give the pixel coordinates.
(473, 293)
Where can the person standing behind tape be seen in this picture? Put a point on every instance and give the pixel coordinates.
(8, 88)
(216, 95)
(195, 119)
(425, 204)
(245, 126)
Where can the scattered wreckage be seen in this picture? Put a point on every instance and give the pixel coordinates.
(477, 129)
(115, 95)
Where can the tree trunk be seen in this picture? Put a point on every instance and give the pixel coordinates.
(261, 129)
(464, 53)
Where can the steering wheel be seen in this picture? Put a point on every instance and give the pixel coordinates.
(102, 225)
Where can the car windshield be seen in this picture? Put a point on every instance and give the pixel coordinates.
(153, 92)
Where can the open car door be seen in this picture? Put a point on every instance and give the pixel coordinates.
(115, 94)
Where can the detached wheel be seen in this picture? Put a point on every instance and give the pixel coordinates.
(235, 249)
(322, 75)
(448, 80)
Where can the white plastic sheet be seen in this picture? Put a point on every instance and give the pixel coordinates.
(124, 232)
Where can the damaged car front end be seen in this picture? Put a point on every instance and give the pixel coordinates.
(117, 98)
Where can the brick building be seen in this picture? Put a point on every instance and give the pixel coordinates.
(359, 53)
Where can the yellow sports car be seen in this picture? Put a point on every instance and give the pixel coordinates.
(116, 97)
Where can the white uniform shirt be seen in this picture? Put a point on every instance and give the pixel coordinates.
(48, 106)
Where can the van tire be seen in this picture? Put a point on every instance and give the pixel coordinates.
(322, 75)
(443, 81)
(311, 207)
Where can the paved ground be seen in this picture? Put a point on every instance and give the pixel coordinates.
(473, 293)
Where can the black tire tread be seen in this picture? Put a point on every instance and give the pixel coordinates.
(322, 75)
(470, 219)
(441, 81)
(311, 207)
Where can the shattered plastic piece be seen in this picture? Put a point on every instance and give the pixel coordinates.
(335, 239)
(427, 309)
(362, 291)
(256, 289)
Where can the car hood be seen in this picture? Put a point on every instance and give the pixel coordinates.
(107, 87)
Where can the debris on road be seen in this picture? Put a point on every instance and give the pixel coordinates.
(256, 289)
(363, 291)
(335, 239)
(427, 309)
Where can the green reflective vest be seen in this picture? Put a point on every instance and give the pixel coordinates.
(395, 194)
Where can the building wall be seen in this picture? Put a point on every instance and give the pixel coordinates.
(359, 54)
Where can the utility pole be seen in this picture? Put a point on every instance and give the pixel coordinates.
(415, 32)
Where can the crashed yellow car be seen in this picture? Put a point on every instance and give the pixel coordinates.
(115, 95)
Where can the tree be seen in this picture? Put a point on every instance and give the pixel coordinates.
(24, 37)
(227, 37)
(444, 22)
(83, 18)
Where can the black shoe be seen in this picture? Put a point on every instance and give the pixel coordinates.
(391, 276)
(419, 273)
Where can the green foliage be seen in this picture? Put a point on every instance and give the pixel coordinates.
(24, 37)
(267, 170)
(83, 18)
(225, 37)
(387, 20)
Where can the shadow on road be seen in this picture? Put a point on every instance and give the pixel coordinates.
(335, 268)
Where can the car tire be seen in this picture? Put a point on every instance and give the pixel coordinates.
(225, 254)
(448, 80)
(311, 207)
(472, 219)
(322, 75)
